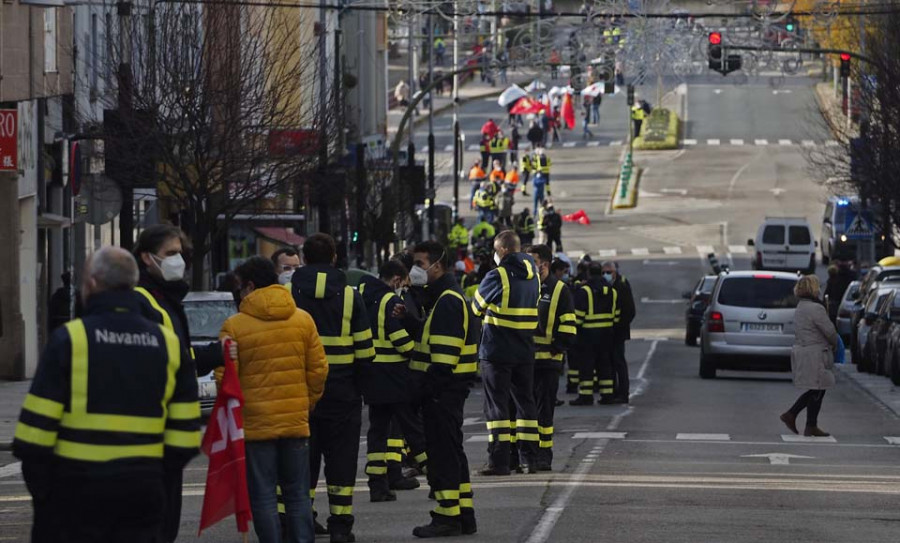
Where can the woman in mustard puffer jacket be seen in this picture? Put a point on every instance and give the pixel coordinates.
(282, 369)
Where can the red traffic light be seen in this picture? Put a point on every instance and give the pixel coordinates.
(845, 57)
(715, 38)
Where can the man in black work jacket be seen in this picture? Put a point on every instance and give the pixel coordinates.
(162, 288)
(555, 333)
(445, 362)
(387, 387)
(595, 311)
(321, 290)
(625, 313)
(507, 299)
(112, 408)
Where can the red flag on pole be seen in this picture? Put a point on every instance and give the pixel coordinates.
(223, 443)
(568, 111)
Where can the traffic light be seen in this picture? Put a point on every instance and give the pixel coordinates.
(790, 25)
(845, 64)
(630, 95)
(714, 51)
(718, 60)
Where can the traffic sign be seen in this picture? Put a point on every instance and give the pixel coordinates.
(9, 125)
(858, 225)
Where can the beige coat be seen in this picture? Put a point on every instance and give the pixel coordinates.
(812, 358)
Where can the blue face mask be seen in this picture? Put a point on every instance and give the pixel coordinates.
(608, 277)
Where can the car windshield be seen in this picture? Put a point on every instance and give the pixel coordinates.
(799, 235)
(764, 293)
(707, 284)
(205, 319)
(773, 234)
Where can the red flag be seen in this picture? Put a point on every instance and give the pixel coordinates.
(226, 478)
(568, 111)
(579, 216)
(527, 105)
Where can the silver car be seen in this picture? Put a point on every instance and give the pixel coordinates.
(844, 319)
(749, 323)
(206, 313)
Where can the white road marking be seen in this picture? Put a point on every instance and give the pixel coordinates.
(760, 142)
(737, 249)
(600, 435)
(569, 144)
(791, 438)
(472, 148)
(646, 300)
(644, 365)
(425, 149)
(737, 142)
(892, 440)
(682, 192)
(11, 470)
(607, 253)
(472, 421)
(574, 254)
(479, 438)
(785, 142)
(705, 249)
(777, 459)
(713, 142)
(659, 263)
(615, 143)
(593, 144)
(689, 142)
(672, 250)
(448, 148)
(808, 143)
(704, 437)
(777, 191)
(641, 251)
(717, 91)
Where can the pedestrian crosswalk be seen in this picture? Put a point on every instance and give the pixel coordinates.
(687, 142)
(664, 251)
(688, 437)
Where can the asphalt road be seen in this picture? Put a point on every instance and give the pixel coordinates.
(689, 460)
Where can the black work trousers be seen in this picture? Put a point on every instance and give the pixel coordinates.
(811, 400)
(546, 386)
(389, 425)
(122, 509)
(448, 467)
(622, 384)
(554, 240)
(334, 436)
(502, 382)
(597, 368)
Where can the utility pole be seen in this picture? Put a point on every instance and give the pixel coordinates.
(413, 82)
(457, 149)
(126, 86)
(429, 194)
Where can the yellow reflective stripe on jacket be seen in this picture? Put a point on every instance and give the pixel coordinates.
(348, 312)
(79, 340)
(447, 341)
(167, 320)
(383, 342)
(182, 438)
(184, 410)
(35, 436)
(547, 338)
(321, 282)
(336, 341)
(43, 406)
(105, 453)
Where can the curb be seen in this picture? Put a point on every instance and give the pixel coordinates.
(421, 119)
(850, 372)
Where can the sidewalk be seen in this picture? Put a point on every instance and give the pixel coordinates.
(880, 388)
(830, 105)
(12, 394)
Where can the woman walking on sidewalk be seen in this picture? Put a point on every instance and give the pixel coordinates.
(812, 357)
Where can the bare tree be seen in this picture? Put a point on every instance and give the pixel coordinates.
(220, 108)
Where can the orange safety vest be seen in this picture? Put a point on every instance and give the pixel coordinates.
(512, 177)
(497, 175)
(476, 173)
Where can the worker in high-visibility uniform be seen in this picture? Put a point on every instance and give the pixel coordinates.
(507, 299)
(512, 176)
(111, 410)
(637, 119)
(498, 174)
(446, 361)
(321, 290)
(386, 384)
(458, 238)
(485, 203)
(595, 310)
(162, 288)
(484, 147)
(556, 332)
(525, 227)
(476, 176)
(499, 145)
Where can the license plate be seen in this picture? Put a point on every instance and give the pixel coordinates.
(760, 327)
(207, 391)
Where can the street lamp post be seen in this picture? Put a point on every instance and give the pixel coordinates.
(429, 194)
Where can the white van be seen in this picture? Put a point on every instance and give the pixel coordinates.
(784, 243)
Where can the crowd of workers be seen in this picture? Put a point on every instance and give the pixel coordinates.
(103, 443)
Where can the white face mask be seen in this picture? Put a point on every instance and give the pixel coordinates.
(418, 277)
(497, 259)
(608, 277)
(285, 277)
(171, 267)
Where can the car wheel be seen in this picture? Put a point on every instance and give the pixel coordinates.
(707, 366)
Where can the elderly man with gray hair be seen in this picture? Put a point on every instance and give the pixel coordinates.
(625, 313)
(111, 408)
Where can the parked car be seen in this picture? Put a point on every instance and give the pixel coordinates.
(849, 302)
(872, 280)
(749, 323)
(697, 300)
(835, 243)
(892, 349)
(206, 313)
(785, 244)
(873, 306)
(878, 333)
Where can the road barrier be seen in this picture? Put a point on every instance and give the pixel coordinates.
(625, 194)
